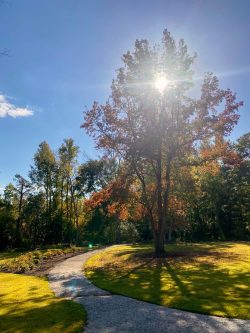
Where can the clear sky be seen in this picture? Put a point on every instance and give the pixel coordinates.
(62, 55)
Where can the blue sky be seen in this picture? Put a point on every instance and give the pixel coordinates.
(62, 55)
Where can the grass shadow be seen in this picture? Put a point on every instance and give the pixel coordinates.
(218, 285)
(63, 316)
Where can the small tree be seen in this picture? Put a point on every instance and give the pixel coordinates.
(22, 189)
(152, 124)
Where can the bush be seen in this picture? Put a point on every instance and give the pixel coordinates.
(30, 260)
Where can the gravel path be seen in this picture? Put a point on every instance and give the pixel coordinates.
(112, 313)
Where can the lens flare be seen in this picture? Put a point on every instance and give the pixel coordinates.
(161, 83)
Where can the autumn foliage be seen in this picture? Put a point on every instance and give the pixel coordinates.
(151, 132)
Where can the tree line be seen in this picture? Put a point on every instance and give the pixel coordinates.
(47, 207)
(63, 201)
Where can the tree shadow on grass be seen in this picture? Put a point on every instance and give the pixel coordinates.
(203, 288)
(57, 316)
(208, 290)
(11, 307)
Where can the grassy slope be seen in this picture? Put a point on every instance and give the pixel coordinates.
(18, 262)
(211, 278)
(27, 305)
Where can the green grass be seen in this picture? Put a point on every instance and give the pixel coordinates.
(19, 262)
(27, 305)
(210, 278)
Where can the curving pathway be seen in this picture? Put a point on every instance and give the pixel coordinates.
(109, 313)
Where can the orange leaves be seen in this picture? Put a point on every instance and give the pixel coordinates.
(178, 212)
(119, 210)
(119, 200)
(212, 117)
(212, 168)
(220, 151)
(97, 199)
(155, 137)
(177, 205)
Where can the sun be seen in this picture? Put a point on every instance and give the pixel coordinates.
(160, 83)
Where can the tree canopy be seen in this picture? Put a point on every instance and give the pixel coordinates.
(155, 131)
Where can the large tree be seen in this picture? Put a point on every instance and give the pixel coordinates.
(43, 172)
(43, 175)
(151, 122)
(68, 153)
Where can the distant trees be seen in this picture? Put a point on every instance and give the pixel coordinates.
(221, 209)
(68, 153)
(156, 132)
(64, 201)
(43, 173)
(21, 190)
(52, 205)
(7, 218)
(48, 208)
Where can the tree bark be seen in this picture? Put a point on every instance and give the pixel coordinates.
(18, 224)
(159, 245)
(170, 234)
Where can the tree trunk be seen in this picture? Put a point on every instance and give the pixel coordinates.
(166, 200)
(67, 199)
(117, 231)
(159, 246)
(74, 206)
(62, 184)
(170, 234)
(18, 224)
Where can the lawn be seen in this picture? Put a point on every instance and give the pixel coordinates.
(210, 278)
(27, 305)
